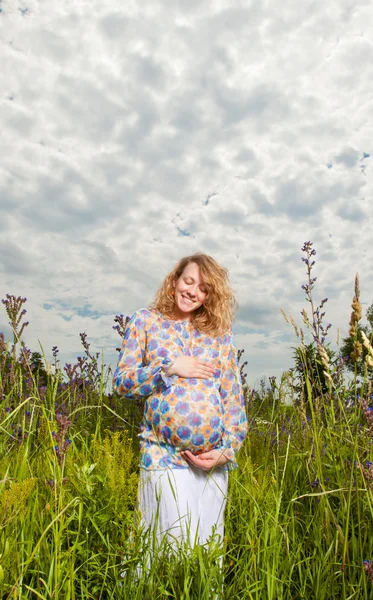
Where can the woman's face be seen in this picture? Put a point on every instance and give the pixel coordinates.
(190, 292)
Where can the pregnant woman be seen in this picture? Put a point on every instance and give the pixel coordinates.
(179, 356)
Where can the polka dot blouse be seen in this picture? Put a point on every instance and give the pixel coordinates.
(180, 413)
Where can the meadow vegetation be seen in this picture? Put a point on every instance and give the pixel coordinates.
(300, 509)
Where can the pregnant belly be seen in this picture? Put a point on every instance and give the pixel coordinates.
(194, 426)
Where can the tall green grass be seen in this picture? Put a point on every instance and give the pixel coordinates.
(300, 507)
(298, 519)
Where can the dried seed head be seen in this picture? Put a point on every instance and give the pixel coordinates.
(294, 324)
(368, 346)
(306, 320)
(367, 343)
(356, 308)
(356, 352)
(284, 315)
(328, 377)
(357, 286)
(324, 356)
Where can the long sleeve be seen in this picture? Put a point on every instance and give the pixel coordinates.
(132, 377)
(235, 420)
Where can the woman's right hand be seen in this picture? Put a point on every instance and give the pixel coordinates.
(191, 367)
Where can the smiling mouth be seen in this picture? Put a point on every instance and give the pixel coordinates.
(187, 300)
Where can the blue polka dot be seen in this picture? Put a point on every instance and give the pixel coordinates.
(131, 345)
(182, 407)
(184, 433)
(156, 418)
(130, 361)
(194, 419)
(153, 344)
(166, 432)
(215, 422)
(162, 352)
(197, 396)
(214, 400)
(198, 439)
(179, 391)
(229, 375)
(142, 375)
(164, 407)
(154, 403)
(214, 437)
(128, 383)
(147, 460)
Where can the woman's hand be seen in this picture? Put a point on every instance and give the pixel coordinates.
(191, 367)
(206, 460)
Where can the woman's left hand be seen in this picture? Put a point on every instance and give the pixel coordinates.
(206, 460)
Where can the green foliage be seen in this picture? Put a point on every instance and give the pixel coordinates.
(298, 518)
(299, 511)
(308, 367)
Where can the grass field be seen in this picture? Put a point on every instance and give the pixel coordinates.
(298, 521)
(300, 508)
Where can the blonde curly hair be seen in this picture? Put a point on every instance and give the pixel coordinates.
(216, 314)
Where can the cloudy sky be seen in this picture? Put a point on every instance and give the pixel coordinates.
(134, 133)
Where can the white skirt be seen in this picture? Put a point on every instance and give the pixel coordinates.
(187, 505)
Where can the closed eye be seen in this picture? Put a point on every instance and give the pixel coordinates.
(191, 281)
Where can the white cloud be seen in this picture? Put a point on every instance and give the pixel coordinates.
(135, 134)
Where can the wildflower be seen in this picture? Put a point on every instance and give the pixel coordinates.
(315, 483)
(368, 413)
(368, 569)
(60, 436)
